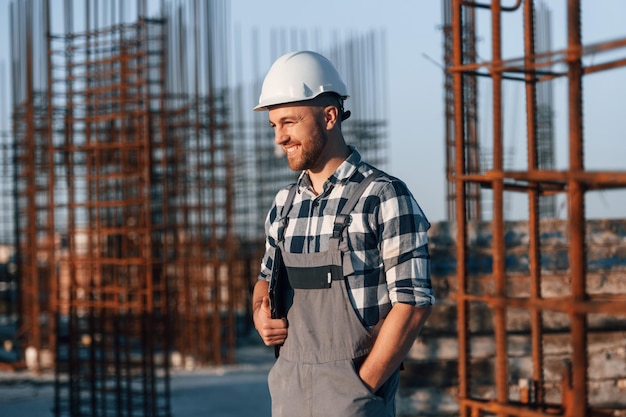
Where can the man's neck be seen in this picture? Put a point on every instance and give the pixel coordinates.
(318, 178)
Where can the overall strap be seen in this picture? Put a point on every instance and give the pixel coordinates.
(344, 218)
(283, 219)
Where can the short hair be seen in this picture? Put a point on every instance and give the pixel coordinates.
(332, 99)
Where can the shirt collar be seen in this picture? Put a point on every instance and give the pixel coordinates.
(341, 175)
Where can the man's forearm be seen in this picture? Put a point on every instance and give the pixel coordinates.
(396, 336)
(260, 290)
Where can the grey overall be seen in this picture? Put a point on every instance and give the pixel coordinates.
(316, 374)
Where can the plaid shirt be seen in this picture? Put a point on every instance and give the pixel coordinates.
(387, 237)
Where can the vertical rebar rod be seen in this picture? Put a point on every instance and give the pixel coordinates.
(470, 114)
(577, 258)
(34, 158)
(460, 204)
(449, 110)
(534, 249)
(499, 267)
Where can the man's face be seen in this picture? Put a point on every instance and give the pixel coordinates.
(301, 133)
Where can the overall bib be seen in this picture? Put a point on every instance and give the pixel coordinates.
(316, 374)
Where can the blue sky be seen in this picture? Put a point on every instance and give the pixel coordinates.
(415, 85)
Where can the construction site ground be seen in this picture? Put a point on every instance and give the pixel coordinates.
(238, 390)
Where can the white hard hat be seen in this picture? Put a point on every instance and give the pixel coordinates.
(299, 76)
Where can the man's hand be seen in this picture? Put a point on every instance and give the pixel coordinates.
(272, 331)
(395, 338)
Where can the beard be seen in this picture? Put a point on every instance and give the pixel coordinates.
(310, 150)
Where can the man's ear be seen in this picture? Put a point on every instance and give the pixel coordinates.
(331, 116)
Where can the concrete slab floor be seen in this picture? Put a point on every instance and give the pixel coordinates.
(223, 391)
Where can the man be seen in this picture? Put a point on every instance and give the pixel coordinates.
(354, 244)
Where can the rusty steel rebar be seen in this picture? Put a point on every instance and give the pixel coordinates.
(472, 191)
(540, 179)
(124, 196)
(460, 205)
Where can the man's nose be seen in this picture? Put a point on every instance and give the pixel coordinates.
(280, 136)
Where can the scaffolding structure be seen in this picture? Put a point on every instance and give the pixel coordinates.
(498, 301)
(123, 187)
